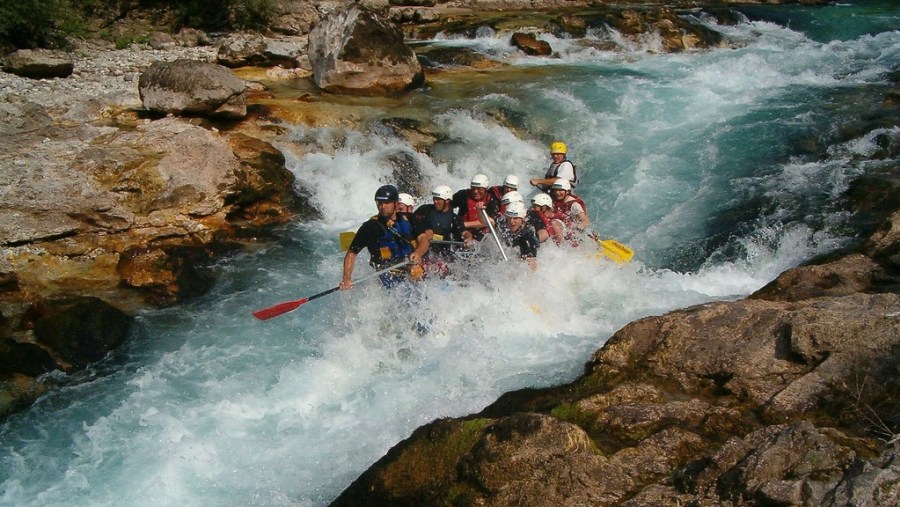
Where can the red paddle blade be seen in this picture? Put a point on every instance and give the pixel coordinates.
(280, 308)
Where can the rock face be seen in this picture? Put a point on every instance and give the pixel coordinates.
(192, 87)
(788, 397)
(121, 212)
(355, 51)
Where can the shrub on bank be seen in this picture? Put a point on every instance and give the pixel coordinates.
(29, 24)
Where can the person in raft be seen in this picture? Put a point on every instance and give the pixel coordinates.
(543, 218)
(405, 203)
(438, 222)
(389, 238)
(510, 183)
(560, 167)
(515, 232)
(469, 202)
(570, 209)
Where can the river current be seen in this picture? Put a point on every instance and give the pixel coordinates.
(720, 168)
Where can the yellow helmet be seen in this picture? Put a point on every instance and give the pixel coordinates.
(558, 147)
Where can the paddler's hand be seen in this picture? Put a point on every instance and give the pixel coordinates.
(415, 258)
(346, 284)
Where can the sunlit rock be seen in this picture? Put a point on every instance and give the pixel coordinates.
(529, 44)
(192, 87)
(356, 51)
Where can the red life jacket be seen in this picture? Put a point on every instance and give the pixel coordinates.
(563, 209)
(472, 213)
(496, 191)
(548, 225)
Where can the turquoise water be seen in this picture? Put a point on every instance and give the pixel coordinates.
(719, 168)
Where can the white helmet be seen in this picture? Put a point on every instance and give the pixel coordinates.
(480, 181)
(542, 199)
(442, 192)
(407, 200)
(511, 197)
(511, 181)
(516, 210)
(562, 183)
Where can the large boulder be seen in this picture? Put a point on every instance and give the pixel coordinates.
(744, 403)
(356, 51)
(261, 52)
(192, 87)
(295, 17)
(39, 63)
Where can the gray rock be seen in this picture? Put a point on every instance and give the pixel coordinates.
(356, 51)
(39, 63)
(261, 52)
(192, 87)
(160, 40)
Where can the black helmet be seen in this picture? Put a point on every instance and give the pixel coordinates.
(387, 193)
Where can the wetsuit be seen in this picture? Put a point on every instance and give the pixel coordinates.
(525, 239)
(445, 224)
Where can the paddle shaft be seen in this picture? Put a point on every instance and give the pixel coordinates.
(287, 306)
(487, 220)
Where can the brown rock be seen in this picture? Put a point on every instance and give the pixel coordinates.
(18, 391)
(530, 44)
(845, 276)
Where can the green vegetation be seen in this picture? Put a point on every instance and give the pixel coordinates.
(32, 23)
(28, 24)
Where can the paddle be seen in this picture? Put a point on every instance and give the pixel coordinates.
(493, 233)
(287, 306)
(612, 248)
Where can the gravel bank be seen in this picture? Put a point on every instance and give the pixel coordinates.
(99, 72)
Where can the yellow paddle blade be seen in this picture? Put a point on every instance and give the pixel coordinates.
(346, 239)
(615, 250)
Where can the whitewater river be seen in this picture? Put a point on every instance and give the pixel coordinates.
(720, 168)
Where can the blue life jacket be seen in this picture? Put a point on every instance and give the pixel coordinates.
(396, 243)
